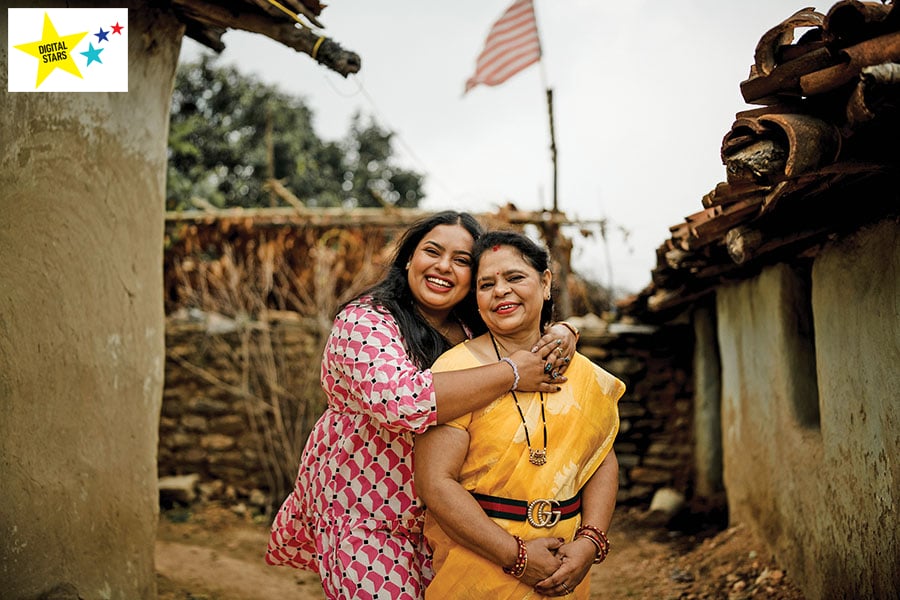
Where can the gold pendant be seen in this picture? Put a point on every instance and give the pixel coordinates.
(537, 457)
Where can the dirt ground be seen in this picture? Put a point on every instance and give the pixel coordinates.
(211, 553)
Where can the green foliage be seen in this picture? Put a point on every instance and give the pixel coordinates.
(371, 178)
(229, 133)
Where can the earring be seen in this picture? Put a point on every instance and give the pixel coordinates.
(407, 264)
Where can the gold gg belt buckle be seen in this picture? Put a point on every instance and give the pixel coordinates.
(541, 513)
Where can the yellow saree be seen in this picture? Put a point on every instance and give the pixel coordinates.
(582, 422)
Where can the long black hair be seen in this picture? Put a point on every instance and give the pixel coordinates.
(533, 253)
(423, 343)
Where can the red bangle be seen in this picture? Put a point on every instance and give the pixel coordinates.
(591, 539)
(518, 569)
(599, 539)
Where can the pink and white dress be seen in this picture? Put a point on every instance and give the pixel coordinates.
(354, 516)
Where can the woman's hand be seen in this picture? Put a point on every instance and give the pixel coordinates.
(558, 346)
(542, 560)
(534, 376)
(576, 558)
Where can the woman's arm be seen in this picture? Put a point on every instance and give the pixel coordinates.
(439, 455)
(598, 500)
(460, 392)
(366, 364)
(366, 370)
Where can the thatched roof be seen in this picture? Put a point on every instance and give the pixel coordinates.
(294, 23)
(291, 258)
(300, 259)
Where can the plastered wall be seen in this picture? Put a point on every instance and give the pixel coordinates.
(81, 326)
(811, 413)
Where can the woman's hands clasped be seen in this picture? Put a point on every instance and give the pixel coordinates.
(576, 559)
(543, 560)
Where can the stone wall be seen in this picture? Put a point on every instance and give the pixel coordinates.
(654, 441)
(239, 400)
(212, 401)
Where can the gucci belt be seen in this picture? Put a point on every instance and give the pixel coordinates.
(541, 512)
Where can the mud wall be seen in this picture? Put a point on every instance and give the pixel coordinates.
(810, 420)
(81, 326)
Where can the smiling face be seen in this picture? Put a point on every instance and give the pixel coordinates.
(510, 292)
(440, 269)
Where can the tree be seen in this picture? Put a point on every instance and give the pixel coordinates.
(372, 178)
(229, 133)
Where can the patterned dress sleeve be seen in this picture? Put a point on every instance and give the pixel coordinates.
(366, 370)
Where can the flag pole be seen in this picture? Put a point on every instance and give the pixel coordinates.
(558, 246)
(549, 91)
(513, 43)
(552, 146)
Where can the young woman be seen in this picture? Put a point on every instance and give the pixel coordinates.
(354, 516)
(520, 493)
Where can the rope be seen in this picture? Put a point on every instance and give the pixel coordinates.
(291, 14)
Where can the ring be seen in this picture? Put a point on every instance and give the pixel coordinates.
(565, 587)
(566, 360)
(559, 342)
(548, 367)
(554, 374)
(559, 351)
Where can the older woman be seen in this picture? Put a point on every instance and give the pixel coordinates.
(520, 493)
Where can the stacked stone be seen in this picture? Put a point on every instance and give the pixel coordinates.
(654, 442)
(216, 408)
(206, 427)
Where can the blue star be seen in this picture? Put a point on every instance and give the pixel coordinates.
(101, 37)
(93, 54)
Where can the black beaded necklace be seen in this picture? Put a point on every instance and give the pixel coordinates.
(535, 457)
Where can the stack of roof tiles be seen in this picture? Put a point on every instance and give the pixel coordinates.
(828, 87)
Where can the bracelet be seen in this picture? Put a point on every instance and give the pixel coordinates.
(598, 538)
(518, 569)
(583, 535)
(570, 327)
(600, 554)
(601, 535)
(515, 369)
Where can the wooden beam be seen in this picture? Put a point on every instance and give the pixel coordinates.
(235, 16)
(320, 217)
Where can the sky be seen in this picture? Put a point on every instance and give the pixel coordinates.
(643, 93)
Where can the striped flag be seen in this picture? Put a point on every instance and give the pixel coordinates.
(511, 45)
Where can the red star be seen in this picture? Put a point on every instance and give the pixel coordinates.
(117, 28)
